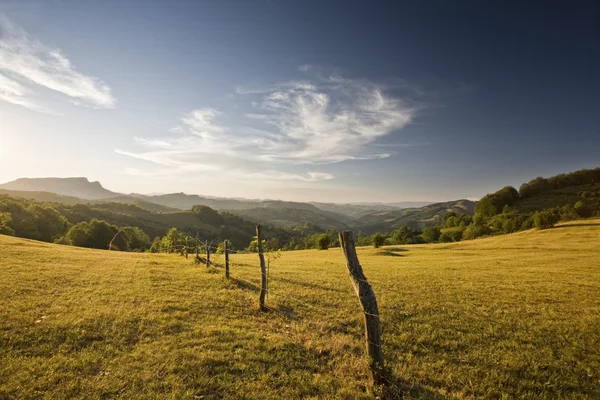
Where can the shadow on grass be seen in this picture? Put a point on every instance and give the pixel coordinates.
(395, 249)
(245, 285)
(578, 225)
(389, 253)
(398, 388)
(283, 311)
(309, 285)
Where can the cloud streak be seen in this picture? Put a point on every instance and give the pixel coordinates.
(284, 126)
(27, 64)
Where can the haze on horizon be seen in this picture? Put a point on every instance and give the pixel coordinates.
(337, 102)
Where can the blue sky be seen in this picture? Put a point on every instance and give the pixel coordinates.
(332, 101)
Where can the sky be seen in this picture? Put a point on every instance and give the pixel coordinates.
(336, 101)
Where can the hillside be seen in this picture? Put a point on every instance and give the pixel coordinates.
(284, 217)
(75, 187)
(43, 196)
(185, 201)
(353, 211)
(560, 197)
(209, 224)
(431, 214)
(512, 316)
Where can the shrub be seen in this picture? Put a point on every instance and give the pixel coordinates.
(544, 219)
(582, 210)
(377, 239)
(474, 231)
(431, 234)
(323, 242)
(445, 238)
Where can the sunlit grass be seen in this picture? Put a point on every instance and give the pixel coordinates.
(512, 316)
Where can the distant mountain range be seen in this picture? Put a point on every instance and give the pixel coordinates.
(314, 216)
(76, 187)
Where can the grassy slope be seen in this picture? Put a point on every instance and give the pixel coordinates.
(513, 315)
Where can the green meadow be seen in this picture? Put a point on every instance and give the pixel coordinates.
(513, 316)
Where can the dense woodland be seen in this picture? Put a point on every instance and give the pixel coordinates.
(540, 203)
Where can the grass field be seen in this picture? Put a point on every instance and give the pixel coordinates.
(514, 316)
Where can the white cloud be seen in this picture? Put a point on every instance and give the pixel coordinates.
(32, 64)
(285, 127)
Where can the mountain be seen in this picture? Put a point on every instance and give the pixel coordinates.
(32, 222)
(432, 214)
(184, 201)
(76, 187)
(43, 196)
(58, 198)
(352, 211)
(285, 214)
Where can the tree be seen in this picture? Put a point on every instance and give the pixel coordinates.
(155, 247)
(582, 210)
(431, 234)
(101, 233)
(323, 241)
(96, 234)
(445, 238)
(377, 239)
(50, 224)
(136, 238)
(474, 231)
(450, 219)
(544, 219)
(494, 203)
(5, 220)
(79, 234)
(404, 235)
(171, 240)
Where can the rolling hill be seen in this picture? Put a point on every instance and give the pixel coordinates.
(286, 217)
(432, 214)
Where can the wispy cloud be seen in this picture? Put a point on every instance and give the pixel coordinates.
(284, 126)
(27, 64)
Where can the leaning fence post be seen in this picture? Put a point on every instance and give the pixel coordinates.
(226, 250)
(207, 254)
(263, 270)
(368, 302)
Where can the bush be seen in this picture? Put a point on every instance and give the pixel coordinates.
(474, 231)
(544, 219)
(582, 210)
(431, 234)
(527, 224)
(5, 220)
(323, 242)
(377, 239)
(445, 238)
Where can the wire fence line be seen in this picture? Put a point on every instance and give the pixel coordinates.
(372, 318)
(295, 299)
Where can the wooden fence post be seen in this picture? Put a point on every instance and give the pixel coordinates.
(368, 303)
(197, 249)
(263, 270)
(186, 247)
(226, 259)
(207, 254)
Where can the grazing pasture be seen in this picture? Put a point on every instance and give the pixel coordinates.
(514, 316)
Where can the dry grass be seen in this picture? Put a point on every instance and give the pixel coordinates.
(512, 316)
